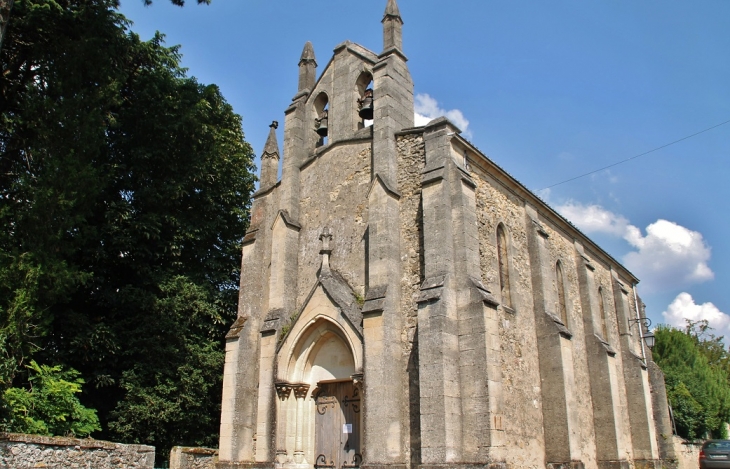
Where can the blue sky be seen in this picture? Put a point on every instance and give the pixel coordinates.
(548, 90)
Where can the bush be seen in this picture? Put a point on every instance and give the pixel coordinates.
(50, 407)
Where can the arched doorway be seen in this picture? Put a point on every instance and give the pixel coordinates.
(319, 424)
(337, 407)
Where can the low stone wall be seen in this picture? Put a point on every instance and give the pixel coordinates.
(688, 453)
(19, 451)
(193, 458)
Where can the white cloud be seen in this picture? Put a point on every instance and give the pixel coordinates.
(594, 218)
(684, 307)
(669, 256)
(427, 109)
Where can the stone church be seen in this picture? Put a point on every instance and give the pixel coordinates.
(405, 303)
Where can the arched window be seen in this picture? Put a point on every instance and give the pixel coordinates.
(602, 310)
(365, 102)
(321, 119)
(503, 260)
(562, 307)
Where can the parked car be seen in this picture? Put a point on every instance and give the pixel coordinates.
(715, 454)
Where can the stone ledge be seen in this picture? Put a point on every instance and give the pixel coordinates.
(566, 465)
(198, 451)
(243, 465)
(618, 464)
(81, 443)
(469, 465)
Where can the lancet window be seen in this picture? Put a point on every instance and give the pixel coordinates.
(560, 283)
(602, 311)
(321, 120)
(503, 261)
(365, 104)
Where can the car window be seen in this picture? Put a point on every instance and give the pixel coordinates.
(717, 445)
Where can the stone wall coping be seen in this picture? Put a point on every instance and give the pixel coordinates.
(81, 443)
(197, 450)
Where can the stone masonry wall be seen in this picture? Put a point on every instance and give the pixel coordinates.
(193, 458)
(688, 453)
(334, 190)
(520, 368)
(18, 451)
(411, 161)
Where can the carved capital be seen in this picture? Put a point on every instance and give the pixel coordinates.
(283, 390)
(300, 390)
(357, 380)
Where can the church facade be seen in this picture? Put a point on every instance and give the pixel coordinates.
(405, 303)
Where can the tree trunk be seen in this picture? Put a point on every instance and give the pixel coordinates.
(5, 7)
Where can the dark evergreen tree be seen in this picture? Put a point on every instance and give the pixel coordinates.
(124, 191)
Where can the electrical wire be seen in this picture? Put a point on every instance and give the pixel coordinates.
(636, 156)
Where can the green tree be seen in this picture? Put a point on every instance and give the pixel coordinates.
(125, 188)
(697, 388)
(50, 406)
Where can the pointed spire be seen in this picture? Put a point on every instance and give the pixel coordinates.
(271, 149)
(392, 27)
(270, 159)
(307, 68)
(391, 9)
(308, 54)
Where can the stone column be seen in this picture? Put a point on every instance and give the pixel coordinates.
(300, 392)
(283, 391)
(265, 445)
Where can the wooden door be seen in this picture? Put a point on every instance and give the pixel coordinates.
(337, 426)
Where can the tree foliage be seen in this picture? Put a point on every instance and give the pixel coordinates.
(50, 406)
(124, 190)
(697, 383)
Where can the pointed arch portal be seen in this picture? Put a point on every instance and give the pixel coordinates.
(319, 423)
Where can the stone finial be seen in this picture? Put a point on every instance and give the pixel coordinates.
(307, 68)
(391, 9)
(271, 149)
(308, 54)
(270, 158)
(325, 237)
(392, 27)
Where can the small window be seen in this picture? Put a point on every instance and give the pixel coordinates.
(321, 119)
(365, 103)
(562, 306)
(602, 311)
(503, 261)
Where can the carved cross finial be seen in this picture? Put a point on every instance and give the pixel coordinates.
(325, 237)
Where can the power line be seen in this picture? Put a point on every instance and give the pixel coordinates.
(636, 156)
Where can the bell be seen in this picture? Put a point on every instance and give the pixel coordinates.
(366, 105)
(321, 126)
